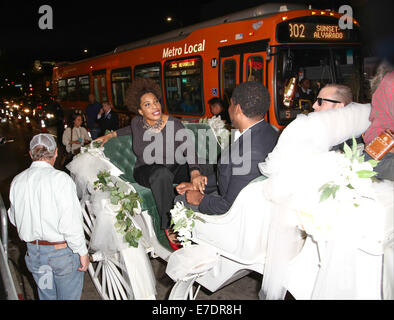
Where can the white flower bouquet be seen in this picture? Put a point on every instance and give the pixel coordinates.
(218, 126)
(325, 207)
(182, 220)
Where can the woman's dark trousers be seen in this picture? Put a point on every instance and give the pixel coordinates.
(160, 179)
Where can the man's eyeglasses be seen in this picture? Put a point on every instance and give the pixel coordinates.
(320, 101)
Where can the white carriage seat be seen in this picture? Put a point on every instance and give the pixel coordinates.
(242, 231)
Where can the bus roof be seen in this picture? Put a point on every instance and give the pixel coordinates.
(263, 10)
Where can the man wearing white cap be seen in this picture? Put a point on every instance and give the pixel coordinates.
(47, 214)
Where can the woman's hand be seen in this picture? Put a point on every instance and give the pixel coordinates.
(183, 187)
(198, 181)
(105, 138)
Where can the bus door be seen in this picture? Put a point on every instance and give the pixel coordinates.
(240, 63)
(100, 85)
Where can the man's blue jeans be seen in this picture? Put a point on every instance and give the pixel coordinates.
(55, 271)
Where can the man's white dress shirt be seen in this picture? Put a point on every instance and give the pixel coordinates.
(238, 134)
(45, 206)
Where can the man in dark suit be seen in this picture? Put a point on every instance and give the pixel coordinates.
(238, 164)
(107, 118)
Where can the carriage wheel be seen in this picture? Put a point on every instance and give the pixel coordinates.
(108, 273)
(184, 290)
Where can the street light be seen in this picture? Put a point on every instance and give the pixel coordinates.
(174, 20)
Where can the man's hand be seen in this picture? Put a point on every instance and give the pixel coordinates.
(183, 187)
(84, 263)
(198, 181)
(194, 197)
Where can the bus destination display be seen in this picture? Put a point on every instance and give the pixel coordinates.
(307, 32)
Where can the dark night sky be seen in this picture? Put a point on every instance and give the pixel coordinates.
(101, 26)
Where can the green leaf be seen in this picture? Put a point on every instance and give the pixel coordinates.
(325, 194)
(348, 151)
(114, 199)
(324, 186)
(328, 190)
(120, 215)
(366, 174)
(334, 190)
(373, 162)
(96, 144)
(354, 146)
(199, 218)
(128, 223)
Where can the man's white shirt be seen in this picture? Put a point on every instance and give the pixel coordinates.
(45, 206)
(238, 134)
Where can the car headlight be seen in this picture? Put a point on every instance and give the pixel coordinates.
(26, 110)
(50, 115)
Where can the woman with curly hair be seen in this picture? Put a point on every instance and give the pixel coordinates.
(159, 171)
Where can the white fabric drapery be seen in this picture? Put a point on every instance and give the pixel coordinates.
(297, 167)
(105, 239)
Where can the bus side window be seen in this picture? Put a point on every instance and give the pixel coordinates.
(62, 89)
(152, 71)
(183, 86)
(229, 77)
(120, 80)
(255, 68)
(96, 90)
(104, 96)
(72, 89)
(84, 87)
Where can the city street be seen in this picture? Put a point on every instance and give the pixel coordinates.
(14, 158)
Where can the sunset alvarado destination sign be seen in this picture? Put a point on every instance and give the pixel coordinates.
(187, 49)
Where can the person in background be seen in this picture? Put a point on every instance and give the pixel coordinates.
(45, 209)
(75, 136)
(305, 92)
(218, 109)
(92, 110)
(333, 96)
(382, 116)
(187, 104)
(59, 114)
(107, 118)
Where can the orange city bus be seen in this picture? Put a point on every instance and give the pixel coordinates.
(278, 45)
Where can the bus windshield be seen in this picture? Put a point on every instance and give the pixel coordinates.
(302, 72)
